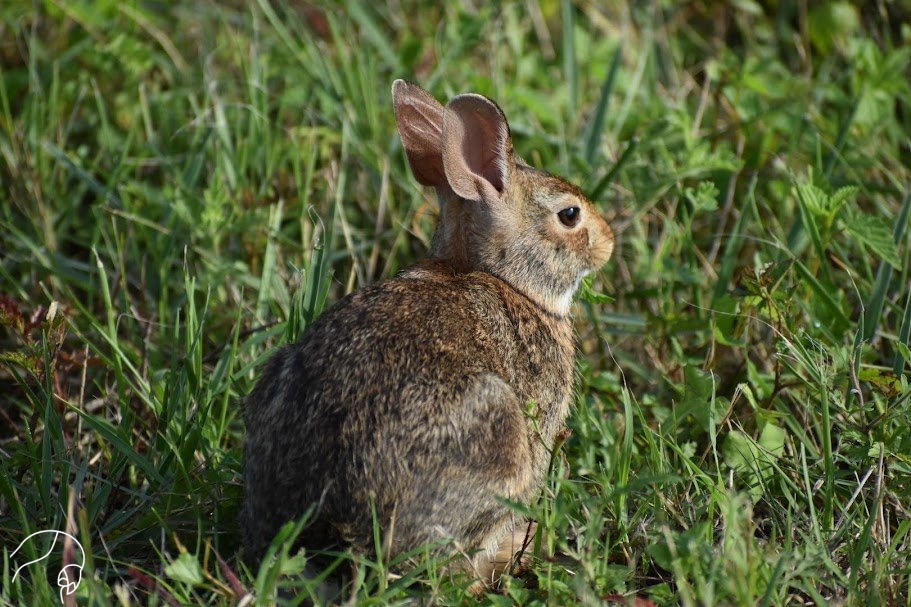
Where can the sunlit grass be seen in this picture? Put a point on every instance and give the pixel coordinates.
(186, 186)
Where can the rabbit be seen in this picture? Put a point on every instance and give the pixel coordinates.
(422, 401)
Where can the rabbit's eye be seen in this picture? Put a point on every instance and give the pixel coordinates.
(570, 216)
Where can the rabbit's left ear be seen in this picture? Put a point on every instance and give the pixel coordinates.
(419, 118)
(477, 148)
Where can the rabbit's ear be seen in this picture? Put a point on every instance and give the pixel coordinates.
(419, 118)
(477, 148)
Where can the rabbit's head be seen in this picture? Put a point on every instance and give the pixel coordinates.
(531, 229)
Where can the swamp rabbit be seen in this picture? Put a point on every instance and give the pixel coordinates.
(429, 397)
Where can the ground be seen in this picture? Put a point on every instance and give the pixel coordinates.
(187, 185)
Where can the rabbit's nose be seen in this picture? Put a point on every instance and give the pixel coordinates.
(601, 244)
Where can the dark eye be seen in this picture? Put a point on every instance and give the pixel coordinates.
(570, 216)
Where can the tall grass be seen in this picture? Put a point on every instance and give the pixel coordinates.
(188, 185)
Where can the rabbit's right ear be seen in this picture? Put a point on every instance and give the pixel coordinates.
(477, 148)
(419, 118)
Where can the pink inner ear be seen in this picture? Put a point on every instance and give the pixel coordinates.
(484, 151)
(476, 148)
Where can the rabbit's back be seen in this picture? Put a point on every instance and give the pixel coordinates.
(399, 394)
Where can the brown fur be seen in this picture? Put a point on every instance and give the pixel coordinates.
(411, 396)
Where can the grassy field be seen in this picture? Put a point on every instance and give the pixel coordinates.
(187, 185)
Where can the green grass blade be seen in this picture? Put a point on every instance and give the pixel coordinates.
(904, 336)
(268, 272)
(570, 66)
(874, 306)
(598, 190)
(596, 126)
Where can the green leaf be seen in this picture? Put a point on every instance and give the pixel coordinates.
(740, 453)
(874, 233)
(772, 441)
(751, 460)
(703, 197)
(875, 449)
(185, 569)
(814, 199)
(587, 293)
(825, 206)
(842, 196)
(904, 351)
(883, 381)
(661, 554)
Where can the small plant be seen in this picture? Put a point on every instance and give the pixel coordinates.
(187, 186)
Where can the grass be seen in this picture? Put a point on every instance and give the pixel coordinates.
(188, 185)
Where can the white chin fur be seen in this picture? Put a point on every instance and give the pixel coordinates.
(564, 302)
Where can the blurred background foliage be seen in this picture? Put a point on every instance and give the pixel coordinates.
(187, 184)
